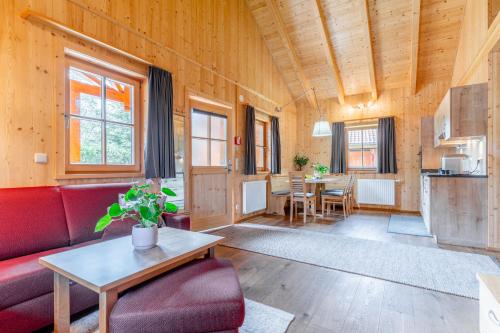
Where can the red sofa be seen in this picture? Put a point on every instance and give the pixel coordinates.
(37, 221)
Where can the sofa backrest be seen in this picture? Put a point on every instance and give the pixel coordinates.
(31, 220)
(85, 205)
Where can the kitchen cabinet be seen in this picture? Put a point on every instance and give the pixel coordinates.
(454, 209)
(430, 155)
(425, 202)
(461, 115)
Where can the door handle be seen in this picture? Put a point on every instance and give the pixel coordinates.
(493, 318)
(229, 166)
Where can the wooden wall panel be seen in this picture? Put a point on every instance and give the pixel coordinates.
(407, 110)
(494, 150)
(472, 35)
(220, 34)
(288, 135)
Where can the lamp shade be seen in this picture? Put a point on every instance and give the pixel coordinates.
(322, 128)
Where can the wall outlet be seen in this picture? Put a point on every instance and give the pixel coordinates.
(41, 158)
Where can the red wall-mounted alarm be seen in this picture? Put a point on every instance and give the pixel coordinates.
(237, 140)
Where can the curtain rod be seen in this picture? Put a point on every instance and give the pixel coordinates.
(365, 119)
(258, 109)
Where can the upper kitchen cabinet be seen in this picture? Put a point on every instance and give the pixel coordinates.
(462, 115)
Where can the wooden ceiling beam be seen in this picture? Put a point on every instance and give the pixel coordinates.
(292, 53)
(415, 37)
(369, 53)
(330, 53)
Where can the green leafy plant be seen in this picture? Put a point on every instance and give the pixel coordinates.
(300, 161)
(320, 169)
(140, 204)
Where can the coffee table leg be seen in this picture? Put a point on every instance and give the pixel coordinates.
(61, 304)
(107, 300)
(210, 253)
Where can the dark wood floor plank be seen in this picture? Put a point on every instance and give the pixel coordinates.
(326, 300)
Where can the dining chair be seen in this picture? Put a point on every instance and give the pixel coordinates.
(339, 195)
(299, 193)
(280, 192)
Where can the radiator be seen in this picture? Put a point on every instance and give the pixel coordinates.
(254, 196)
(376, 192)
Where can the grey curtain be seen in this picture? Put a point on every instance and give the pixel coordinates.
(275, 146)
(250, 162)
(338, 160)
(386, 146)
(159, 154)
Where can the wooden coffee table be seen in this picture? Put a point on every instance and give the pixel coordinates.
(112, 266)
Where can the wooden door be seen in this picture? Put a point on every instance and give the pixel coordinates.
(211, 155)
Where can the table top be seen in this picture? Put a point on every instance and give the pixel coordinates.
(323, 180)
(105, 265)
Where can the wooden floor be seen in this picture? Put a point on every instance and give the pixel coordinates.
(326, 300)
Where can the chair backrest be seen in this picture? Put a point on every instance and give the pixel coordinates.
(297, 182)
(279, 184)
(348, 185)
(337, 182)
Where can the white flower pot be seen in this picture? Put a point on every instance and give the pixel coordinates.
(144, 238)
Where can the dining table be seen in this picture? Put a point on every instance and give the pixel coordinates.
(315, 185)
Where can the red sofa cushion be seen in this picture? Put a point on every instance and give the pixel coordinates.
(23, 278)
(31, 220)
(39, 312)
(203, 296)
(85, 205)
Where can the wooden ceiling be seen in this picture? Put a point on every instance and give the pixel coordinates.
(350, 47)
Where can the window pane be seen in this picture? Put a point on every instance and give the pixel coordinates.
(370, 138)
(85, 93)
(200, 152)
(179, 143)
(199, 125)
(370, 158)
(259, 134)
(218, 153)
(355, 159)
(355, 139)
(218, 128)
(85, 141)
(259, 157)
(119, 101)
(119, 139)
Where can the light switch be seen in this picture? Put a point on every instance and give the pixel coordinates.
(41, 158)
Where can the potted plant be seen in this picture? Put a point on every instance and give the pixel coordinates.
(145, 206)
(300, 161)
(320, 170)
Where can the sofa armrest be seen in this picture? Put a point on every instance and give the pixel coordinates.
(177, 221)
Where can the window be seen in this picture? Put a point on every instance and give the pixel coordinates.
(261, 145)
(208, 139)
(177, 184)
(102, 119)
(362, 147)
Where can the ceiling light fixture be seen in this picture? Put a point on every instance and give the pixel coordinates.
(322, 126)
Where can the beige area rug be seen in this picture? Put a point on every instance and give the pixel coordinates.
(430, 268)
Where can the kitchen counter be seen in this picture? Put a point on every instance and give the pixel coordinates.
(454, 208)
(435, 174)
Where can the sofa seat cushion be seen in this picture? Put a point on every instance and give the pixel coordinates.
(38, 312)
(23, 278)
(31, 220)
(85, 205)
(203, 296)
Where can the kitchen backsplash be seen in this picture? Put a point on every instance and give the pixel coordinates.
(476, 150)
